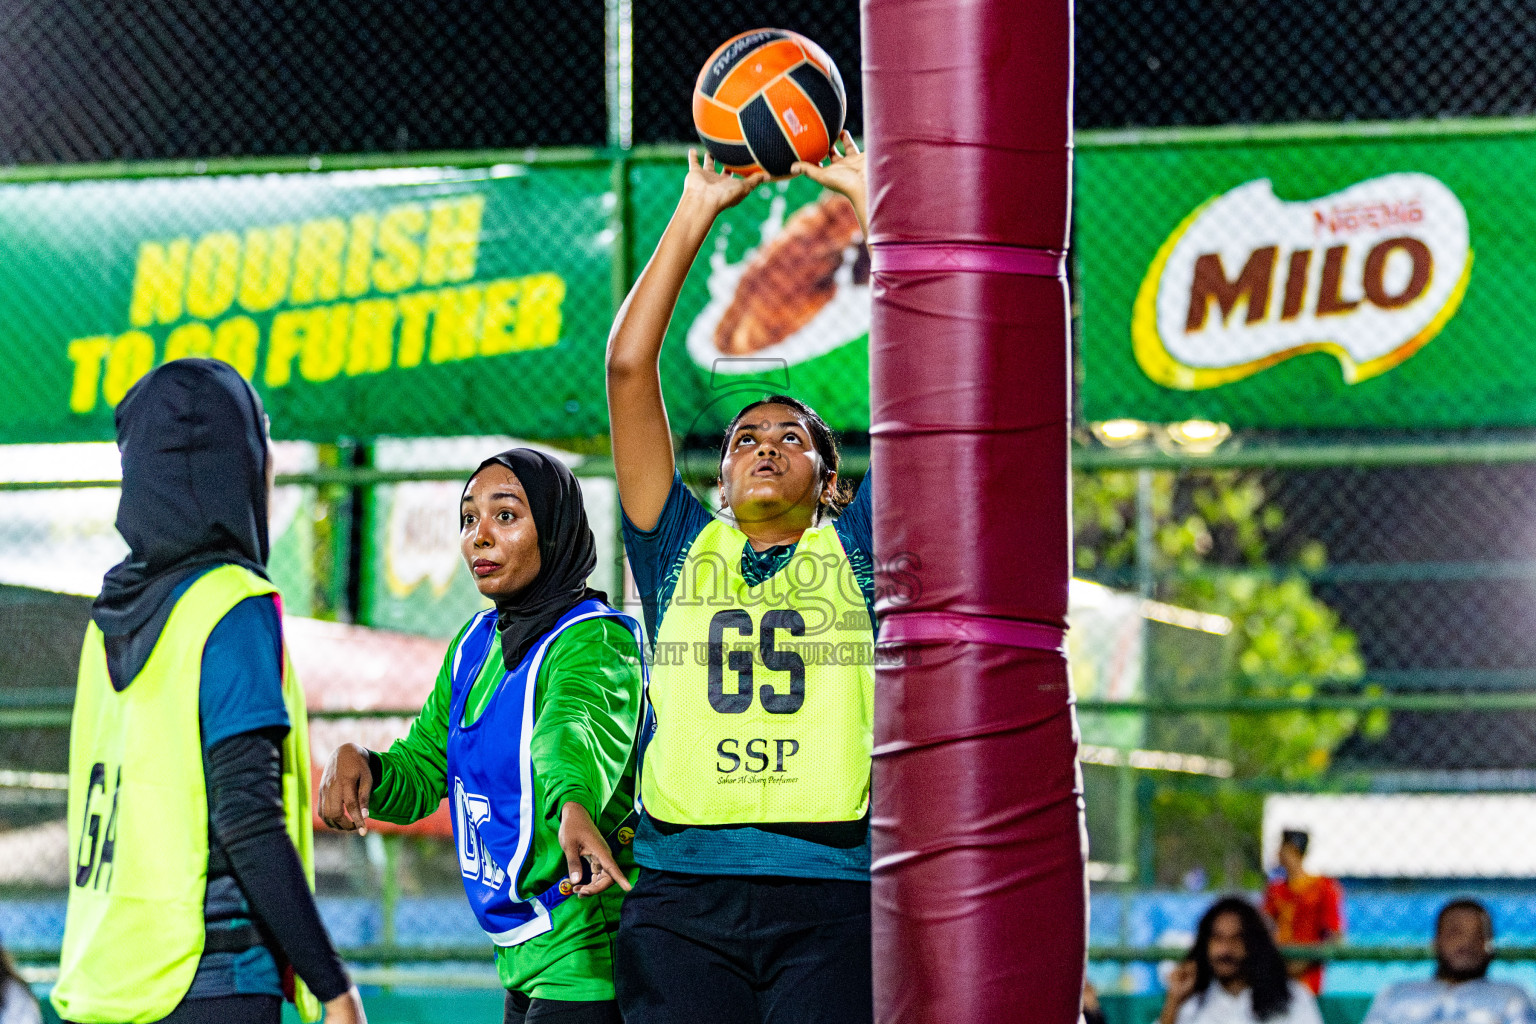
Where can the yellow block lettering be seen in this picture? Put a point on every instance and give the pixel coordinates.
(500, 316)
(325, 343)
(215, 267)
(414, 309)
(235, 341)
(131, 356)
(453, 240)
(268, 266)
(360, 255)
(399, 263)
(317, 264)
(193, 339)
(289, 330)
(538, 314)
(158, 281)
(87, 354)
(373, 336)
(455, 330)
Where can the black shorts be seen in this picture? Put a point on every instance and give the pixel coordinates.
(519, 1009)
(226, 1010)
(702, 949)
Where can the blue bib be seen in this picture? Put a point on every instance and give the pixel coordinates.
(490, 774)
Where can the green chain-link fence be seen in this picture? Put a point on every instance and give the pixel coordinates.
(1302, 543)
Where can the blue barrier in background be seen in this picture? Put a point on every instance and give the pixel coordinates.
(1374, 916)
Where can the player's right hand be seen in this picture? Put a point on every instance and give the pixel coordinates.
(344, 791)
(1181, 985)
(713, 189)
(346, 1008)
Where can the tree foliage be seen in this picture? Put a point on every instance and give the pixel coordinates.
(1221, 544)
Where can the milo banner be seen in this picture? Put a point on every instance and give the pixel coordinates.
(414, 301)
(1296, 282)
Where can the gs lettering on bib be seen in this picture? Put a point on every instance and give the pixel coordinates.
(763, 696)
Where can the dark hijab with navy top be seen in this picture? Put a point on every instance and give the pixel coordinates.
(193, 440)
(567, 552)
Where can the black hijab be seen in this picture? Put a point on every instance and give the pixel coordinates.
(567, 552)
(193, 439)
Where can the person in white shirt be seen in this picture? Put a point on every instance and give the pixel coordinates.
(1460, 992)
(1234, 974)
(17, 1004)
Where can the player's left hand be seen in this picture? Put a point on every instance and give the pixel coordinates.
(716, 190)
(843, 173)
(581, 840)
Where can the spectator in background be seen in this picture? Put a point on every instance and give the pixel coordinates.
(1093, 1013)
(17, 1004)
(1304, 907)
(1235, 975)
(1460, 992)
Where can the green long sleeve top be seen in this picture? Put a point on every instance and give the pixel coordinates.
(586, 710)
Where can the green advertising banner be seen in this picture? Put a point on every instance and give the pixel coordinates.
(414, 576)
(1365, 277)
(400, 301)
(426, 301)
(778, 299)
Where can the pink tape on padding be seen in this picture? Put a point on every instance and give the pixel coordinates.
(947, 627)
(975, 258)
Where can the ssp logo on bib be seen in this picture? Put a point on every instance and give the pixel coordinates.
(1368, 275)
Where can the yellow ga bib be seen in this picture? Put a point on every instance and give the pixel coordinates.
(763, 696)
(138, 817)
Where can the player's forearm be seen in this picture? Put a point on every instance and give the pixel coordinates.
(412, 775)
(409, 786)
(642, 438)
(638, 331)
(246, 818)
(860, 201)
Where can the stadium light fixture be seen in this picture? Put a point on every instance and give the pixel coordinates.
(1198, 437)
(1120, 433)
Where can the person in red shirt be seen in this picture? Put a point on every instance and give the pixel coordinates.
(1304, 907)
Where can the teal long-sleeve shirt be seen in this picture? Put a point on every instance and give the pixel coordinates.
(586, 709)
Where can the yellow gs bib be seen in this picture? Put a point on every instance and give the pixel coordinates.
(763, 696)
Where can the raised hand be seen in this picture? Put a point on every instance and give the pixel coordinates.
(716, 190)
(1181, 985)
(843, 173)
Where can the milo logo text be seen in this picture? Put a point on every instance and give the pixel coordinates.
(1368, 275)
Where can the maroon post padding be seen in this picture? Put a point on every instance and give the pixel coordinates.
(979, 892)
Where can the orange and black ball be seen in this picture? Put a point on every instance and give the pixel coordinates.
(767, 98)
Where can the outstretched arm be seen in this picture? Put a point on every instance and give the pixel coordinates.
(642, 439)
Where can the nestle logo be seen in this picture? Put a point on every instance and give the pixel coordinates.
(1347, 220)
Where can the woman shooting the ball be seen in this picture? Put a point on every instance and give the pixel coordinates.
(753, 897)
(530, 734)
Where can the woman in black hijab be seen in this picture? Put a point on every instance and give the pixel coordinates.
(530, 733)
(183, 693)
